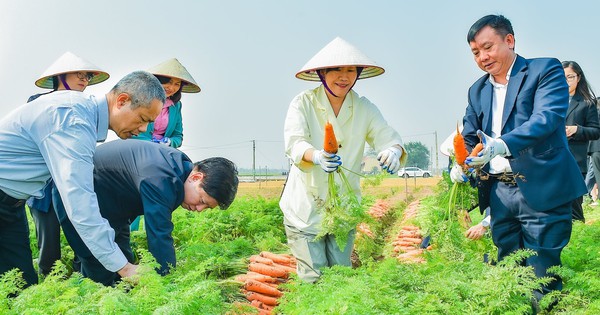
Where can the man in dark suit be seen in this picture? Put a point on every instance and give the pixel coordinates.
(133, 178)
(526, 173)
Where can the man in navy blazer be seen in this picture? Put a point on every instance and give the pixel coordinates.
(132, 178)
(526, 173)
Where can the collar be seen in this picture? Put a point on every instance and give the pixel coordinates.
(102, 123)
(498, 85)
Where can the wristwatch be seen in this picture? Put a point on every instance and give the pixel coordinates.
(485, 223)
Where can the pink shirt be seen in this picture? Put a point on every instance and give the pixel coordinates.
(161, 122)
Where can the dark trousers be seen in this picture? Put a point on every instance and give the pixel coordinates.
(14, 243)
(577, 207)
(516, 226)
(47, 230)
(90, 266)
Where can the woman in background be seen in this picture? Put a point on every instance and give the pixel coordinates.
(581, 122)
(167, 128)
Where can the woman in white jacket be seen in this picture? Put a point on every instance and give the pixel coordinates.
(355, 121)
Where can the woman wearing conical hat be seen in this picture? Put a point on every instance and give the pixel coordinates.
(167, 128)
(355, 121)
(68, 72)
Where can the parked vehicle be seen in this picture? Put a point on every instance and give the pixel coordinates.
(413, 172)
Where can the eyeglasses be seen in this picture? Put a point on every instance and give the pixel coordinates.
(85, 75)
(571, 77)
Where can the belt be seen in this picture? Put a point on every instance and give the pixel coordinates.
(506, 178)
(9, 201)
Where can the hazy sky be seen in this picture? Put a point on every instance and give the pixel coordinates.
(244, 55)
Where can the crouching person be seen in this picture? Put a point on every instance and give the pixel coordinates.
(133, 178)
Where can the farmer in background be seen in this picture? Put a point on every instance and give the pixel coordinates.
(581, 123)
(55, 137)
(132, 178)
(167, 129)
(69, 72)
(355, 121)
(517, 109)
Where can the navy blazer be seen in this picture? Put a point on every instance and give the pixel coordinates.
(585, 117)
(134, 177)
(533, 128)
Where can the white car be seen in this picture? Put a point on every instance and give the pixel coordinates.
(413, 172)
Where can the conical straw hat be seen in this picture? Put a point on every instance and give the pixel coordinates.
(174, 69)
(70, 62)
(339, 53)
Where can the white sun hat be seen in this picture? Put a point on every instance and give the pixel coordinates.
(67, 63)
(339, 53)
(172, 68)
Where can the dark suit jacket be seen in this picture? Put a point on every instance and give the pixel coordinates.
(533, 128)
(595, 144)
(585, 117)
(133, 177)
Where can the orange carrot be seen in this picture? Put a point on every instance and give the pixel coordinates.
(414, 240)
(330, 144)
(410, 228)
(260, 259)
(268, 270)
(276, 258)
(262, 278)
(478, 147)
(460, 149)
(255, 286)
(265, 299)
(287, 268)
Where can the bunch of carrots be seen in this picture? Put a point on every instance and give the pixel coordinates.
(460, 155)
(265, 273)
(407, 245)
(342, 211)
(460, 149)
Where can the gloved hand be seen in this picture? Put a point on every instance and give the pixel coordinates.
(166, 141)
(457, 175)
(389, 159)
(155, 140)
(491, 148)
(329, 162)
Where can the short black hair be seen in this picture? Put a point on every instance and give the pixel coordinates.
(499, 23)
(220, 179)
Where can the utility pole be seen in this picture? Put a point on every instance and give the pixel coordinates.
(437, 166)
(254, 160)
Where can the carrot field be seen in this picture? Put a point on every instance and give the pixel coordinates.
(215, 249)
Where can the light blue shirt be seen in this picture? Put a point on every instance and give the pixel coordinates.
(55, 137)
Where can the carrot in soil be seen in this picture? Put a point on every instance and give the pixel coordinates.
(268, 270)
(460, 149)
(265, 299)
(330, 144)
(255, 286)
(478, 147)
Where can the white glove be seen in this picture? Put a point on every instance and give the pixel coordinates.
(491, 148)
(457, 175)
(166, 141)
(389, 159)
(329, 162)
